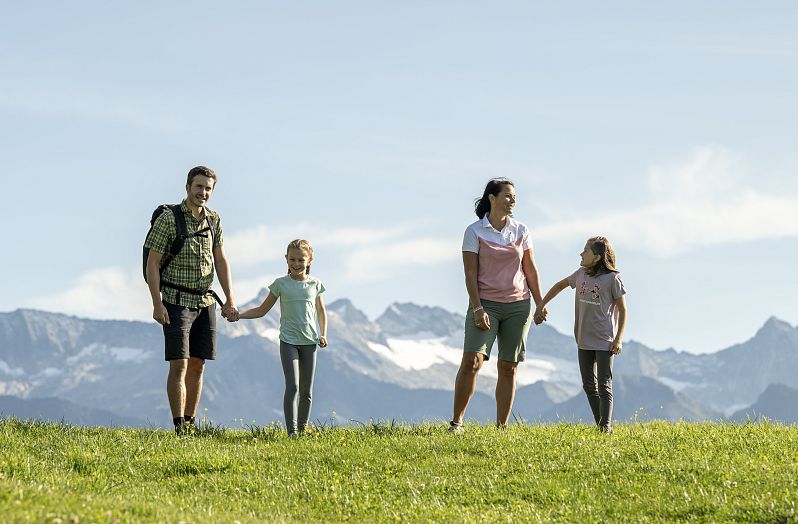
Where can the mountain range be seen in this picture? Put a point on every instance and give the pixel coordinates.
(400, 366)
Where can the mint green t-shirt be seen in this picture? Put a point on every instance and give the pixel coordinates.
(297, 309)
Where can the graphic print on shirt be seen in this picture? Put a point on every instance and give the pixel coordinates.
(594, 292)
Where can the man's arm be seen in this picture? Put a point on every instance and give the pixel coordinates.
(159, 312)
(225, 279)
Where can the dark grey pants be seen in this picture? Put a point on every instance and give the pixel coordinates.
(299, 365)
(596, 370)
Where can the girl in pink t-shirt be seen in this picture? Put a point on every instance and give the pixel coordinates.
(600, 319)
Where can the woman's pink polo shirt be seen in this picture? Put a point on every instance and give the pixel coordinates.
(500, 277)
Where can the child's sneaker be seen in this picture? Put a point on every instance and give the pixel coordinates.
(455, 427)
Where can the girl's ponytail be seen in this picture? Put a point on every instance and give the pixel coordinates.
(493, 187)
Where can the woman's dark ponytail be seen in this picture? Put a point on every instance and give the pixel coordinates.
(494, 187)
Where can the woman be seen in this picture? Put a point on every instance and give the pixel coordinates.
(500, 277)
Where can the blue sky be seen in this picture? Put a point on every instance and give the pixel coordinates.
(369, 127)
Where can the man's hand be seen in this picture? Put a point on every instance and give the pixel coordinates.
(233, 316)
(323, 341)
(228, 309)
(160, 315)
(616, 347)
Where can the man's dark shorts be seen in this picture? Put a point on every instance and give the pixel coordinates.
(191, 332)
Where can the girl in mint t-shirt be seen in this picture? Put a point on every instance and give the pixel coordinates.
(598, 325)
(301, 309)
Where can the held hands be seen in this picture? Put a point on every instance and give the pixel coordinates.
(541, 313)
(230, 312)
(322, 341)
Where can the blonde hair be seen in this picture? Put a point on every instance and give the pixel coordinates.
(606, 264)
(302, 245)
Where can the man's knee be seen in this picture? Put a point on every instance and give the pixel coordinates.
(195, 367)
(178, 367)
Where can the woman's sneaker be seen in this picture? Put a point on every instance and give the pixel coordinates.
(455, 427)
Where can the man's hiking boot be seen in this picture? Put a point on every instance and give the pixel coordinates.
(455, 427)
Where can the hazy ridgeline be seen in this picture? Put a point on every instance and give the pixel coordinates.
(647, 472)
(399, 366)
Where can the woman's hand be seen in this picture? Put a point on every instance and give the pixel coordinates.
(322, 341)
(482, 320)
(541, 313)
(616, 347)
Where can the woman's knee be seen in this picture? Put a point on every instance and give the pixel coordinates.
(471, 363)
(508, 369)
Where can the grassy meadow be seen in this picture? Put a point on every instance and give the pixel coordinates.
(384, 472)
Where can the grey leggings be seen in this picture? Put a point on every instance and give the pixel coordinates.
(299, 364)
(596, 370)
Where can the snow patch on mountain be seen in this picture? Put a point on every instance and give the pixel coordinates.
(417, 354)
(676, 385)
(120, 354)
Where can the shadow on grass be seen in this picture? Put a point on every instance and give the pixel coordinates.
(182, 468)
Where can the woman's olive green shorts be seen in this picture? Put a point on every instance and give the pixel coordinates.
(509, 322)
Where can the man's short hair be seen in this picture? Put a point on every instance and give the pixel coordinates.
(200, 171)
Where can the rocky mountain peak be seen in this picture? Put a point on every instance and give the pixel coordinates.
(407, 318)
(775, 325)
(344, 308)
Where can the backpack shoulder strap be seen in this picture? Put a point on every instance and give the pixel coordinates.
(180, 228)
(212, 225)
(180, 236)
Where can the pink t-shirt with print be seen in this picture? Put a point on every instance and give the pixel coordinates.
(500, 277)
(596, 315)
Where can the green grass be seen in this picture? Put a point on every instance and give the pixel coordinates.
(644, 472)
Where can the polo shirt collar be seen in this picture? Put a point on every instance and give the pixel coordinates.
(486, 222)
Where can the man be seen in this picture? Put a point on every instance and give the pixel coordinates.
(181, 300)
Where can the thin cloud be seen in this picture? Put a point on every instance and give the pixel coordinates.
(77, 105)
(359, 254)
(263, 243)
(701, 202)
(374, 263)
(103, 293)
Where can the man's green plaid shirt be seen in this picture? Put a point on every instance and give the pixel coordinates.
(193, 266)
